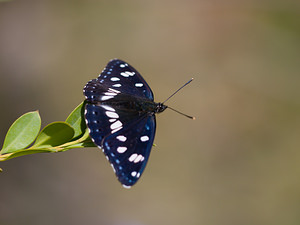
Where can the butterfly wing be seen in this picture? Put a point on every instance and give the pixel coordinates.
(121, 76)
(128, 150)
(126, 142)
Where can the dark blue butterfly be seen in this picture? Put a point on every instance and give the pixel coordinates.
(120, 116)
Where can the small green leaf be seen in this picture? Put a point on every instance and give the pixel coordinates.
(82, 142)
(76, 120)
(54, 134)
(22, 132)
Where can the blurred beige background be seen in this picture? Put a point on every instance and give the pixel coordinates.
(238, 163)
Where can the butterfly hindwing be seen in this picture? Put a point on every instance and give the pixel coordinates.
(127, 146)
(128, 150)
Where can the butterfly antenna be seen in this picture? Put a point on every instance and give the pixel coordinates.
(179, 90)
(190, 117)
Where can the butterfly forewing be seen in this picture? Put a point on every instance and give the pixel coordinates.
(120, 116)
(119, 75)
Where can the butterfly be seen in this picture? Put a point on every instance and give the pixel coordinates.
(120, 115)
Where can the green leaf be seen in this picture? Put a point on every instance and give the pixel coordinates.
(22, 132)
(82, 142)
(54, 134)
(76, 120)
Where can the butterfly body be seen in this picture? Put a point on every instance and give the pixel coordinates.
(120, 115)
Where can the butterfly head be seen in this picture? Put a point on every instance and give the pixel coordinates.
(160, 107)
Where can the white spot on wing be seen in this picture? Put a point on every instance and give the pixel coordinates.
(133, 157)
(125, 186)
(116, 125)
(127, 74)
(112, 115)
(117, 85)
(144, 138)
(112, 120)
(139, 85)
(133, 173)
(121, 149)
(108, 108)
(103, 98)
(121, 138)
(124, 74)
(114, 79)
(138, 159)
(130, 73)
